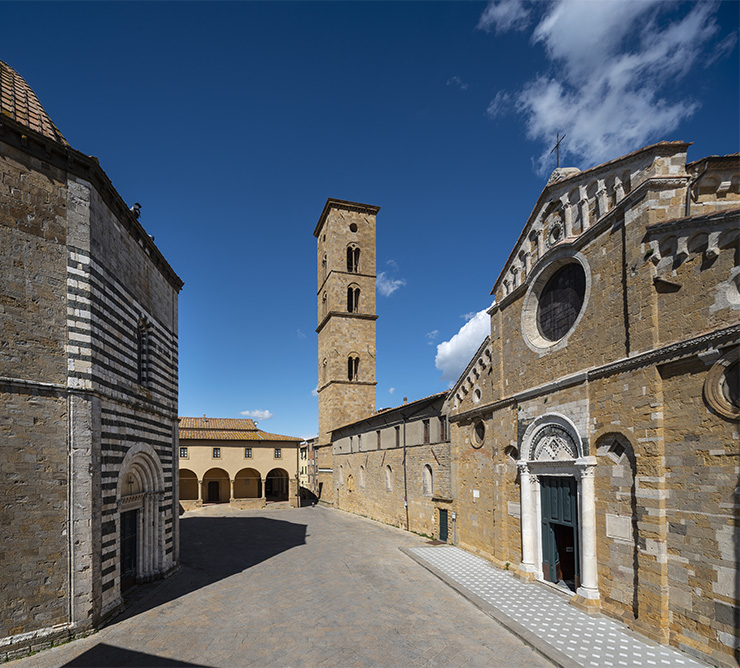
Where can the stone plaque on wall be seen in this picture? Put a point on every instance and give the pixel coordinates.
(618, 527)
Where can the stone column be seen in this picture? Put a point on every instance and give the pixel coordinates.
(231, 491)
(567, 216)
(601, 197)
(589, 589)
(264, 480)
(200, 492)
(585, 213)
(527, 514)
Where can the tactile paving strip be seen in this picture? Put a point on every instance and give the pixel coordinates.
(587, 639)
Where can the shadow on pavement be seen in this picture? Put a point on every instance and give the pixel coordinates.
(118, 657)
(214, 548)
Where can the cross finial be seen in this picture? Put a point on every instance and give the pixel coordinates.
(556, 148)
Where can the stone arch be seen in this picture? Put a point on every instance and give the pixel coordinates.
(248, 484)
(188, 485)
(216, 486)
(533, 448)
(277, 484)
(140, 491)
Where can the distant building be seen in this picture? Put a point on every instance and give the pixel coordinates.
(88, 382)
(226, 460)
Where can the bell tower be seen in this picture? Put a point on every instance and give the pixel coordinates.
(345, 237)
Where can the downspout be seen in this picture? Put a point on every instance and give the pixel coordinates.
(405, 485)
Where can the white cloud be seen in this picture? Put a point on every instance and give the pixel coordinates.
(391, 390)
(387, 286)
(453, 355)
(502, 15)
(457, 81)
(468, 316)
(499, 105)
(430, 336)
(615, 66)
(315, 391)
(257, 415)
(300, 334)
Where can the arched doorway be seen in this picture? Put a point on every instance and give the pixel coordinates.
(216, 486)
(276, 485)
(188, 485)
(247, 484)
(141, 521)
(558, 514)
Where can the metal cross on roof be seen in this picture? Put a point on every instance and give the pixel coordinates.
(558, 139)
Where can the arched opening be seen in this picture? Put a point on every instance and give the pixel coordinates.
(247, 484)
(188, 485)
(216, 486)
(353, 299)
(276, 485)
(353, 259)
(427, 481)
(353, 367)
(141, 520)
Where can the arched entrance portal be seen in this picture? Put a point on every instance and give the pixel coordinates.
(216, 486)
(141, 522)
(247, 484)
(276, 485)
(188, 485)
(558, 513)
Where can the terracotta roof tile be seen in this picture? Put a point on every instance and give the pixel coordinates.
(19, 102)
(226, 429)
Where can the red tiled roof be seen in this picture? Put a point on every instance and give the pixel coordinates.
(19, 102)
(226, 429)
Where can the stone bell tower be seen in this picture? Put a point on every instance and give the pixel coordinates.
(346, 313)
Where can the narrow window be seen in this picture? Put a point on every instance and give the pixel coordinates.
(353, 259)
(377, 434)
(426, 431)
(323, 304)
(359, 441)
(142, 357)
(398, 437)
(442, 428)
(388, 479)
(248, 453)
(217, 453)
(184, 453)
(353, 368)
(353, 299)
(427, 481)
(278, 453)
(323, 266)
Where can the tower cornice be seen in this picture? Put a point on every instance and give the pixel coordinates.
(340, 314)
(343, 204)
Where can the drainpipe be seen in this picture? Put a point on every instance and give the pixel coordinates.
(405, 485)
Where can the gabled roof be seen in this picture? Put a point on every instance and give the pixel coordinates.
(226, 429)
(572, 178)
(19, 102)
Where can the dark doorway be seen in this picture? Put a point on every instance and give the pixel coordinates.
(560, 531)
(213, 495)
(129, 544)
(443, 525)
(276, 485)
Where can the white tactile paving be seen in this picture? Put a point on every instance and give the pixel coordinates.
(588, 640)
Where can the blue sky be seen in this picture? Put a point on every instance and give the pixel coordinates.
(231, 123)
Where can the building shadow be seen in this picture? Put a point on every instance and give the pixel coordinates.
(212, 549)
(118, 657)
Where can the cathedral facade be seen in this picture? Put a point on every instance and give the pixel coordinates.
(593, 437)
(88, 379)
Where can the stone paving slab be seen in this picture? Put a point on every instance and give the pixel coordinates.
(545, 619)
(313, 587)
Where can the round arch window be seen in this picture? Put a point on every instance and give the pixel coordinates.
(479, 433)
(561, 301)
(722, 385)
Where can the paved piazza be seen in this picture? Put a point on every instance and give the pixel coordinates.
(295, 587)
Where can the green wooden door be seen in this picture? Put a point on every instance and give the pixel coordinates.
(559, 499)
(443, 525)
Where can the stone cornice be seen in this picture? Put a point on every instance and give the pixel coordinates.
(729, 215)
(668, 353)
(342, 273)
(344, 314)
(347, 206)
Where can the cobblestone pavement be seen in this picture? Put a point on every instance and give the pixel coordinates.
(295, 587)
(534, 611)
